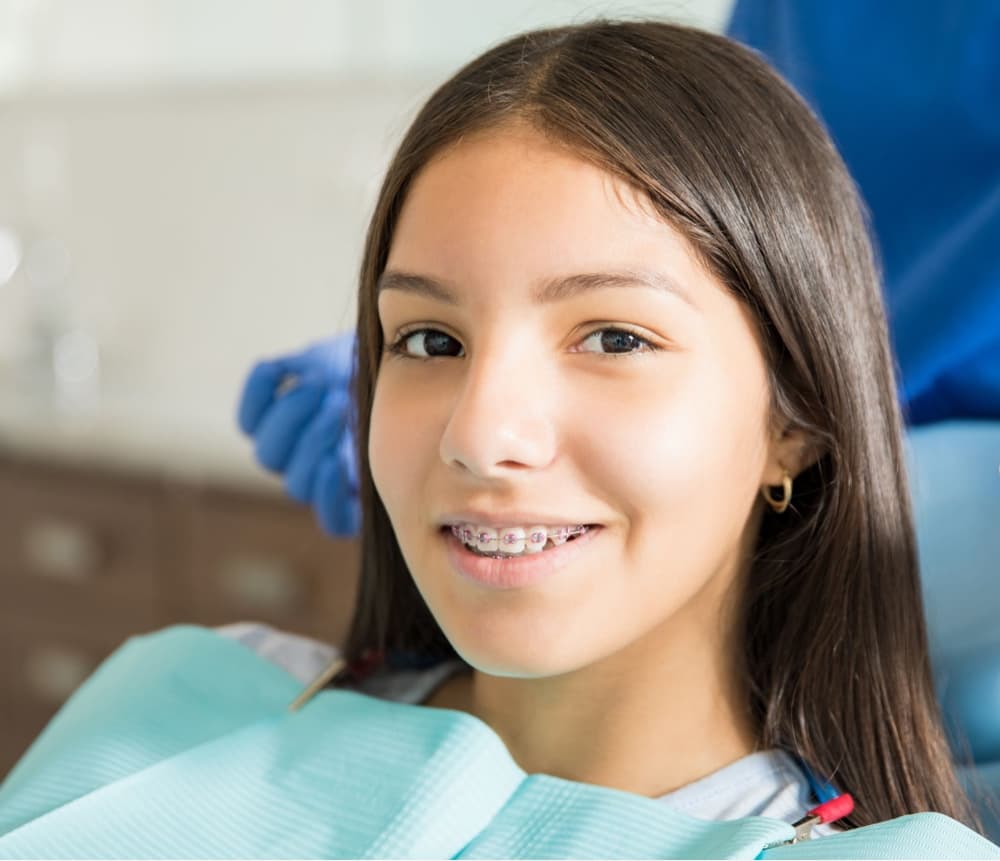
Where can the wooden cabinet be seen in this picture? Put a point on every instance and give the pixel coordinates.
(89, 557)
(255, 559)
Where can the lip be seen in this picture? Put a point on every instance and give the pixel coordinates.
(518, 572)
(509, 518)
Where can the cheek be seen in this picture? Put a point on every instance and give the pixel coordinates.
(678, 455)
(394, 446)
(654, 444)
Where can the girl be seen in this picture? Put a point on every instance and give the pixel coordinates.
(618, 282)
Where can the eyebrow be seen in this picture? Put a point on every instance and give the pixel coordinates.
(547, 291)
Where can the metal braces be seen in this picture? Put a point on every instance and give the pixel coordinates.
(558, 536)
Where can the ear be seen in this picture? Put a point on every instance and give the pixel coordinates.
(793, 450)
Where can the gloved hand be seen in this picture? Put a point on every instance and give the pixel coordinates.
(296, 409)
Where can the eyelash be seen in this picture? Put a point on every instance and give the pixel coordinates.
(396, 347)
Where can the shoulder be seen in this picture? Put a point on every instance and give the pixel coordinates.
(764, 783)
(302, 657)
(305, 658)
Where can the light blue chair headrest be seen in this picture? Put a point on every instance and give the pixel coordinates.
(955, 484)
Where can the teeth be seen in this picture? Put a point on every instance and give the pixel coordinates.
(513, 540)
(486, 540)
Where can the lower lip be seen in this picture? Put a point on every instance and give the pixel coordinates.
(518, 571)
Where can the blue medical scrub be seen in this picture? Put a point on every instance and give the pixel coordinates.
(910, 92)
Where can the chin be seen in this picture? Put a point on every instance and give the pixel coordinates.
(514, 658)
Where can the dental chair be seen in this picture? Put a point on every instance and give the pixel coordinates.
(954, 472)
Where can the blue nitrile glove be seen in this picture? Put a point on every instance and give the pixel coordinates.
(296, 409)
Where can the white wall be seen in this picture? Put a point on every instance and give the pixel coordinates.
(80, 43)
(191, 181)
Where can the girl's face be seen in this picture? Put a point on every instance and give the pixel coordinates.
(661, 437)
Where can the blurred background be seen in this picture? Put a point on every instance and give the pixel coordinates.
(184, 188)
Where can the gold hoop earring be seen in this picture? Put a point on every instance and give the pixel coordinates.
(779, 506)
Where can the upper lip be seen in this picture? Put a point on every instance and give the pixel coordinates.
(509, 518)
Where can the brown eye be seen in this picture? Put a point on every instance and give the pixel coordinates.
(430, 340)
(617, 342)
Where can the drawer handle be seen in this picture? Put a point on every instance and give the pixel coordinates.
(61, 549)
(54, 672)
(261, 583)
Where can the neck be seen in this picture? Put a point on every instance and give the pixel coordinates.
(645, 727)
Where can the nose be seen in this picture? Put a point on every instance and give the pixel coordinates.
(504, 417)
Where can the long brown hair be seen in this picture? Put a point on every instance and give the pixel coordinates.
(729, 155)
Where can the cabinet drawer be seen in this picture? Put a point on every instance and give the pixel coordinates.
(78, 547)
(267, 560)
(41, 665)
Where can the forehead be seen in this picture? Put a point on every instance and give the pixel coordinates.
(514, 205)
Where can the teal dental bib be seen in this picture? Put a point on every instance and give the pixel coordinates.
(181, 745)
